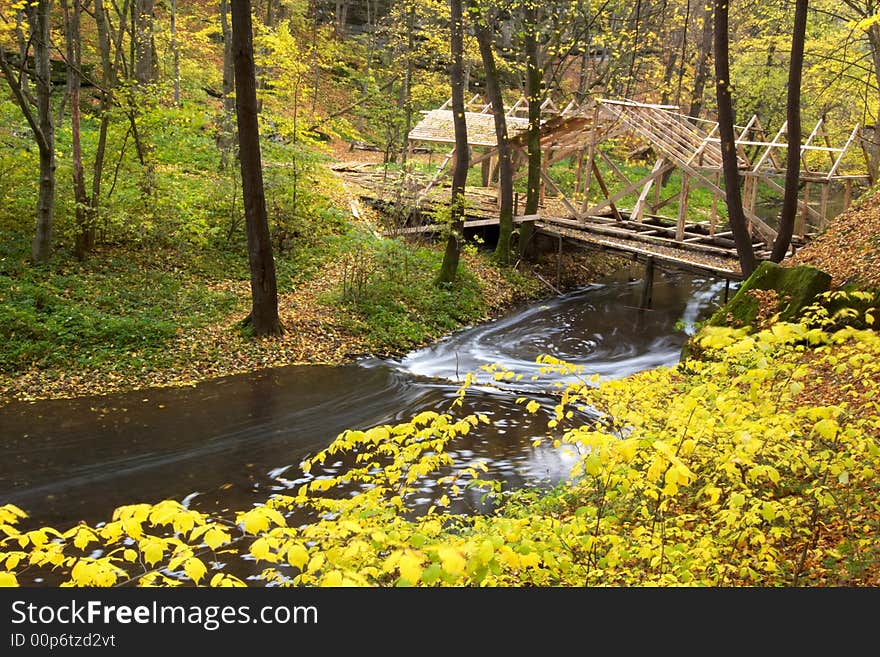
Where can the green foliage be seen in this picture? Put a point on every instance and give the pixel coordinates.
(713, 473)
(116, 312)
(390, 299)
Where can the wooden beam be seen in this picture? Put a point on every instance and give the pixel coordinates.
(800, 227)
(713, 217)
(807, 143)
(613, 166)
(730, 269)
(770, 147)
(604, 189)
(843, 152)
(639, 207)
(779, 188)
(683, 207)
(548, 180)
(630, 188)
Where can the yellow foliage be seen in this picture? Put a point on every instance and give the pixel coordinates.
(706, 474)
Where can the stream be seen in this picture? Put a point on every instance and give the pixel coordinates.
(231, 442)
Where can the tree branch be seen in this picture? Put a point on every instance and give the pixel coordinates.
(22, 100)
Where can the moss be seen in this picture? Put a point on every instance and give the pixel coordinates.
(770, 290)
(794, 287)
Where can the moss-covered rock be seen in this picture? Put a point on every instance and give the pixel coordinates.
(771, 290)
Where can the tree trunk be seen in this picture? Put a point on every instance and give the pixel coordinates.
(175, 52)
(143, 41)
(701, 75)
(724, 89)
(342, 15)
(38, 17)
(264, 310)
(874, 150)
(793, 114)
(226, 137)
(84, 238)
(449, 267)
(534, 95)
(406, 105)
(108, 77)
(505, 169)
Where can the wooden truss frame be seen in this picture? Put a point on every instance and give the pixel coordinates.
(687, 144)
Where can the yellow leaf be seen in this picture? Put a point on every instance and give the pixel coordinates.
(410, 566)
(226, 581)
(83, 537)
(255, 521)
(451, 560)
(260, 549)
(130, 555)
(215, 537)
(297, 555)
(153, 549)
(533, 406)
(627, 448)
(316, 562)
(132, 527)
(333, 578)
(9, 513)
(530, 560)
(195, 569)
(7, 579)
(826, 428)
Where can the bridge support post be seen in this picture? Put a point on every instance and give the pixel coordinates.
(648, 287)
(559, 264)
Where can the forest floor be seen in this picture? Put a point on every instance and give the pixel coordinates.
(355, 302)
(849, 249)
(326, 318)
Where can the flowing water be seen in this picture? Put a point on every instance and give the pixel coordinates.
(231, 442)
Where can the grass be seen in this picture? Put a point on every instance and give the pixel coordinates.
(389, 297)
(117, 310)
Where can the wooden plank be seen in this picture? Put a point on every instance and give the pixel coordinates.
(809, 140)
(631, 188)
(843, 152)
(779, 188)
(767, 233)
(705, 143)
(742, 151)
(604, 188)
(615, 231)
(724, 270)
(683, 207)
(770, 147)
(800, 227)
(591, 159)
(639, 207)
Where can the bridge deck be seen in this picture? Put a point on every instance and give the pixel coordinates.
(652, 237)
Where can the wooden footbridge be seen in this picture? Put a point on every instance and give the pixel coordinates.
(591, 213)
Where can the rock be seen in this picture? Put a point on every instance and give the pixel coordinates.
(770, 290)
(794, 288)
